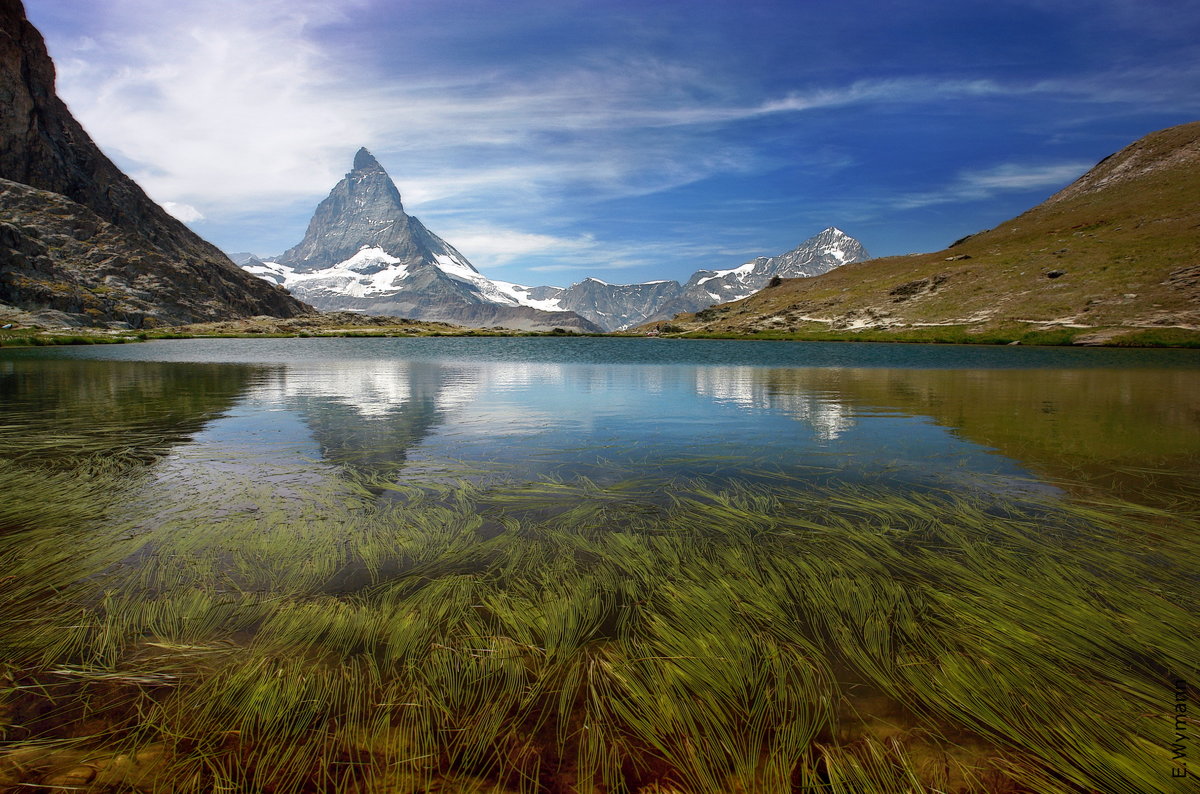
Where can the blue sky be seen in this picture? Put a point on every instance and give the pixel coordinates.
(549, 140)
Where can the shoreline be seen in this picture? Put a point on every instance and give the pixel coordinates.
(344, 324)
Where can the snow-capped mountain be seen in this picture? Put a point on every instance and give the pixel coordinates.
(618, 306)
(363, 252)
(814, 256)
(818, 254)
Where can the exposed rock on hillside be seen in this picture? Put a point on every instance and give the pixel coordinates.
(77, 235)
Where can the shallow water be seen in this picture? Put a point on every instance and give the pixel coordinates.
(437, 564)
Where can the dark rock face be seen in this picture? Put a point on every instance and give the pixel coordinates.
(617, 306)
(57, 254)
(75, 197)
(364, 210)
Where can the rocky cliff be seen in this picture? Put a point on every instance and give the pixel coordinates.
(80, 237)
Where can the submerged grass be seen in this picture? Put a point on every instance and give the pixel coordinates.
(573, 636)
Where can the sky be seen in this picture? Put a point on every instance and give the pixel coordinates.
(552, 140)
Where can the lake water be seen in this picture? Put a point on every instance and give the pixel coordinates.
(595, 565)
(522, 409)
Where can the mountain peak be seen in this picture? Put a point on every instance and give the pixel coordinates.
(364, 160)
(364, 211)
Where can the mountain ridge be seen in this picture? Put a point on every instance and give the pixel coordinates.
(362, 252)
(365, 210)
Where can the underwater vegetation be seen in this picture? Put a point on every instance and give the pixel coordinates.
(622, 634)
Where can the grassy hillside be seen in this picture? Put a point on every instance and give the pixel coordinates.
(1114, 253)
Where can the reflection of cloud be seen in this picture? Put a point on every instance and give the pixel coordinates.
(360, 409)
(827, 417)
(750, 389)
(372, 388)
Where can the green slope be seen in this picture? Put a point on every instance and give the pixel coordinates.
(1119, 249)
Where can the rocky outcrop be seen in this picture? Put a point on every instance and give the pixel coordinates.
(56, 254)
(73, 223)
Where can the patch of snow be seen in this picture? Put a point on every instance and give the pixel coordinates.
(368, 257)
(458, 269)
(270, 271)
(520, 294)
(739, 272)
(347, 277)
(453, 266)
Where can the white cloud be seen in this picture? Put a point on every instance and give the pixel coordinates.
(492, 247)
(184, 212)
(218, 103)
(1011, 176)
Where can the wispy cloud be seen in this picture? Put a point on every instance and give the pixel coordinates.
(216, 103)
(228, 105)
(496, 247)
(984, 184)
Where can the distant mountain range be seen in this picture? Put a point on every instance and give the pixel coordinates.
(363, 252)
(80, 242)
(1115, 251)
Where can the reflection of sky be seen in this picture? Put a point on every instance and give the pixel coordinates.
(529, 419)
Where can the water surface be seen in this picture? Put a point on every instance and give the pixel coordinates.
(522, 409)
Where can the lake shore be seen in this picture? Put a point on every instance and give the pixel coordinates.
(349, 324)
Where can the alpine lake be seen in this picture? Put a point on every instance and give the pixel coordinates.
(598, 565)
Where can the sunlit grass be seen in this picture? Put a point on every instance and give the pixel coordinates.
(584, 635)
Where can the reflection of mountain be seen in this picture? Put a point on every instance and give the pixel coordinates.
(1123, 429)
(121, 410)
(366, 415)
(753, 388)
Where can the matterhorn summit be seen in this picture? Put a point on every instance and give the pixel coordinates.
(363, 252)
(364, 212)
